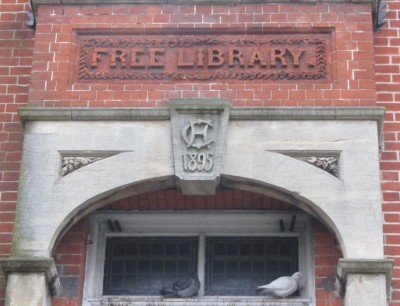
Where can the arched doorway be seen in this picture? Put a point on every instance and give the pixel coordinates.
(265, 151)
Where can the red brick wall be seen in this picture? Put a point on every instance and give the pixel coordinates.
(16, 47)
(387, 75)
(69, 255)
(352, 55)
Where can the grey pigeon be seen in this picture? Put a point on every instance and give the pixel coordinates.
(182, 288)
(283, 286)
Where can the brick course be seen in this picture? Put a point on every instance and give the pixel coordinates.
(352, 56)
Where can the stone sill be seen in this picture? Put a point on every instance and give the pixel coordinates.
(203, 301)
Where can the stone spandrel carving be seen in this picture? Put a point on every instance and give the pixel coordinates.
(328, 164)
(71, 163)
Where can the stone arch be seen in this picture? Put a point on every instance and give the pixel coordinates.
(263, 150)
(259, 155)
(116, 184)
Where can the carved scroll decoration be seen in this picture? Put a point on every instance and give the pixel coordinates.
(85, 73)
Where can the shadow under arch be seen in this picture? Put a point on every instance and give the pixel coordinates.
(168, 182)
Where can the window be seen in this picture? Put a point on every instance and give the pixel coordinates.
(236, 266)
(232, 253)
(143, 265)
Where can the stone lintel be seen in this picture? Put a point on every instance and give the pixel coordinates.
(362, 266)
(31, 266)
(236, 113)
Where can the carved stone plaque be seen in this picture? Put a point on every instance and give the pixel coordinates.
(198, 136)
(220, 57)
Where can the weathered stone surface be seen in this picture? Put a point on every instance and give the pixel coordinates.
(366, 290)
(199, 128)
(250, 162)
(27, 290)
(347, 268)
(32, 265)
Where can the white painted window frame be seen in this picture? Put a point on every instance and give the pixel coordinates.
(200, 224)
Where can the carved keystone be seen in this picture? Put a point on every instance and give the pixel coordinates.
(198, 136)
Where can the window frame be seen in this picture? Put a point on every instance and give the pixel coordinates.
(200, 224)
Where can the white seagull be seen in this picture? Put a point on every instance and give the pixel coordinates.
(283, 286)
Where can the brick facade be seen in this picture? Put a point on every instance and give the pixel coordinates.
(36, 68)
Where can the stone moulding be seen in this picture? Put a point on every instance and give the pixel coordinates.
(362, 266)
(236, 113)
(34, 265)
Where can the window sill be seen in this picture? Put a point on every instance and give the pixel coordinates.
(203, 301)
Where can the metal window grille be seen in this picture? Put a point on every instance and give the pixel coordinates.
(236, 266)
(143, 265)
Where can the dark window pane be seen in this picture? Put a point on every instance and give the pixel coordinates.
(131, 266)
(131, 250)
(184, 266)
(171, 249)
(231, 250)
(245, 266)
(170, 266)
(272, 249)
(118, 267)
(237, 265)
(232, 267)
(145, 250)
(245, 249)
(119, 250)
(184, 250)
(219, 266)
(285, 249)
(158, 249)
(143, 265)
(219, 249)
(157, 266)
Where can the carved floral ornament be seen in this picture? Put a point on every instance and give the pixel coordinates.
(202, 59)
(327, 163)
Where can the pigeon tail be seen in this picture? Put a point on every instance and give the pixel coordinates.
(182, 288)
(166, 292)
